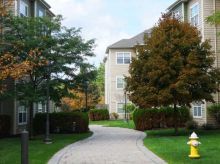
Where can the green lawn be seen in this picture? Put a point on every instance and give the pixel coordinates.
(115, 123)
(40, 153)
(173, 149)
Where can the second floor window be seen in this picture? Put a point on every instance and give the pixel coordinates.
(194, 14)
(23, 9)
(120, 83)
(40, 13)
(123, 57)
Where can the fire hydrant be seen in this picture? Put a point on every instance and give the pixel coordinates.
(194, 144)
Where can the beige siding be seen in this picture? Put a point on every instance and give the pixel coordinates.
(114, 70)
(210, 118)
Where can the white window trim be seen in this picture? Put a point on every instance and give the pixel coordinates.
(117, 107)
(22, 123)
(123, 58)
(117, 82)
(25, 5)
(193, 111)
(192, 6)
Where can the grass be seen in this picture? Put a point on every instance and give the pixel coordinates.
(174, 149)
(115, 123)
(39, 153)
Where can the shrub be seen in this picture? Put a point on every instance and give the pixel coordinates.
(114, 115)
(215, 111)
(163, 117)
(62, 122)
(208, 126)
(98, 114)
(5, 123)
(191, 125)
(131, 115)
(130, 107)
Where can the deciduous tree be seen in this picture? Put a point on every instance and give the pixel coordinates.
(50, 51)
(174, 67)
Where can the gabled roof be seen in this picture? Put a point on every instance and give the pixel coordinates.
(175, 4)
(47, 6)
(129, 43)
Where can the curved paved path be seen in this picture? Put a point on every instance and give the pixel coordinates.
(107, 145)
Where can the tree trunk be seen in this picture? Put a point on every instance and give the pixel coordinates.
(31, 115)
(176, 122)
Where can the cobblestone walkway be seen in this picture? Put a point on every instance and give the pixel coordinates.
(108, 145)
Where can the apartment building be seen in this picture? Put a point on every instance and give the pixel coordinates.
(195, 12)
(117, 62)
(19, 113)
(119, 55)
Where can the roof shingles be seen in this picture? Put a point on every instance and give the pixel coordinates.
(129, 43)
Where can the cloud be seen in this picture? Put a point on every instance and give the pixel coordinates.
(108, 21)
(95, 22)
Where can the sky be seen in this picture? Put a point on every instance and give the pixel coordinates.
(108, 21)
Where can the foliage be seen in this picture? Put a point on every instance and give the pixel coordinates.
(5, 125)
(114, 115)
(146, 119)
(84, 85)
(39, 152)
(4, 7)
(130, 107)
(214, 18)
(98, 114)
(78, 100)
(9, 66)
(100, 81)
(214, 110)
(114, 123)
(52, 52)
(208, 127)
(62, 122)
(191, 125)
(174, 67)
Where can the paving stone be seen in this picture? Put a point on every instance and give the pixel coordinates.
(108, 145)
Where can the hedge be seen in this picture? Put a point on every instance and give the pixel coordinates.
(5, 123)
(98, 114)
(62, 122)
(146, 119)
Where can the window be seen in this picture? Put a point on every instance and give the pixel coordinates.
(23, 9)
(120, 83)
(22, 115)
(194, 14)
(40, 13)
(177, 15)
(123, 57)
(120, 107)
(197, 111)
(40, 108)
